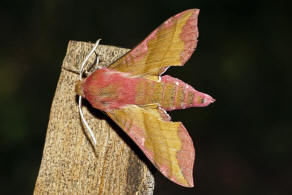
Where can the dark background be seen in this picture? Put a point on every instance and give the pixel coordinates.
(243, 141)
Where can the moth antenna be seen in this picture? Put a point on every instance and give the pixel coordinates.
(86, 58)
(80, 97)
(84, 121)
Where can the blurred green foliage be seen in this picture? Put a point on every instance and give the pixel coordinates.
(243, 141)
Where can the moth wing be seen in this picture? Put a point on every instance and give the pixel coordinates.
(167, 144)
(171, 44)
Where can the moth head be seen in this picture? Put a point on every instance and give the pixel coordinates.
(79, 88)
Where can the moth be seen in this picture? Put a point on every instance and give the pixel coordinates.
(132, 92)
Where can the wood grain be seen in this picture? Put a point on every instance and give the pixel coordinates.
(70, 163)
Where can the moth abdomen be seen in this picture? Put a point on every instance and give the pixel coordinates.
(179, 95)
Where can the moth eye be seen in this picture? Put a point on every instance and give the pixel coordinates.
(202, 100)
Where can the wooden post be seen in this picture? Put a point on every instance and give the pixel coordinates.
(70, 163)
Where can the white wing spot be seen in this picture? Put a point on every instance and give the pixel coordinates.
(159, 79)
(183, 105)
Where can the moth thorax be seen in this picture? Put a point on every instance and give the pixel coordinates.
(79, 88)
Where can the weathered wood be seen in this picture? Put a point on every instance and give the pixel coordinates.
(70, 163)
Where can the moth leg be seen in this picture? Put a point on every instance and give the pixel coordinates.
(94, 66)
(91, 68)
